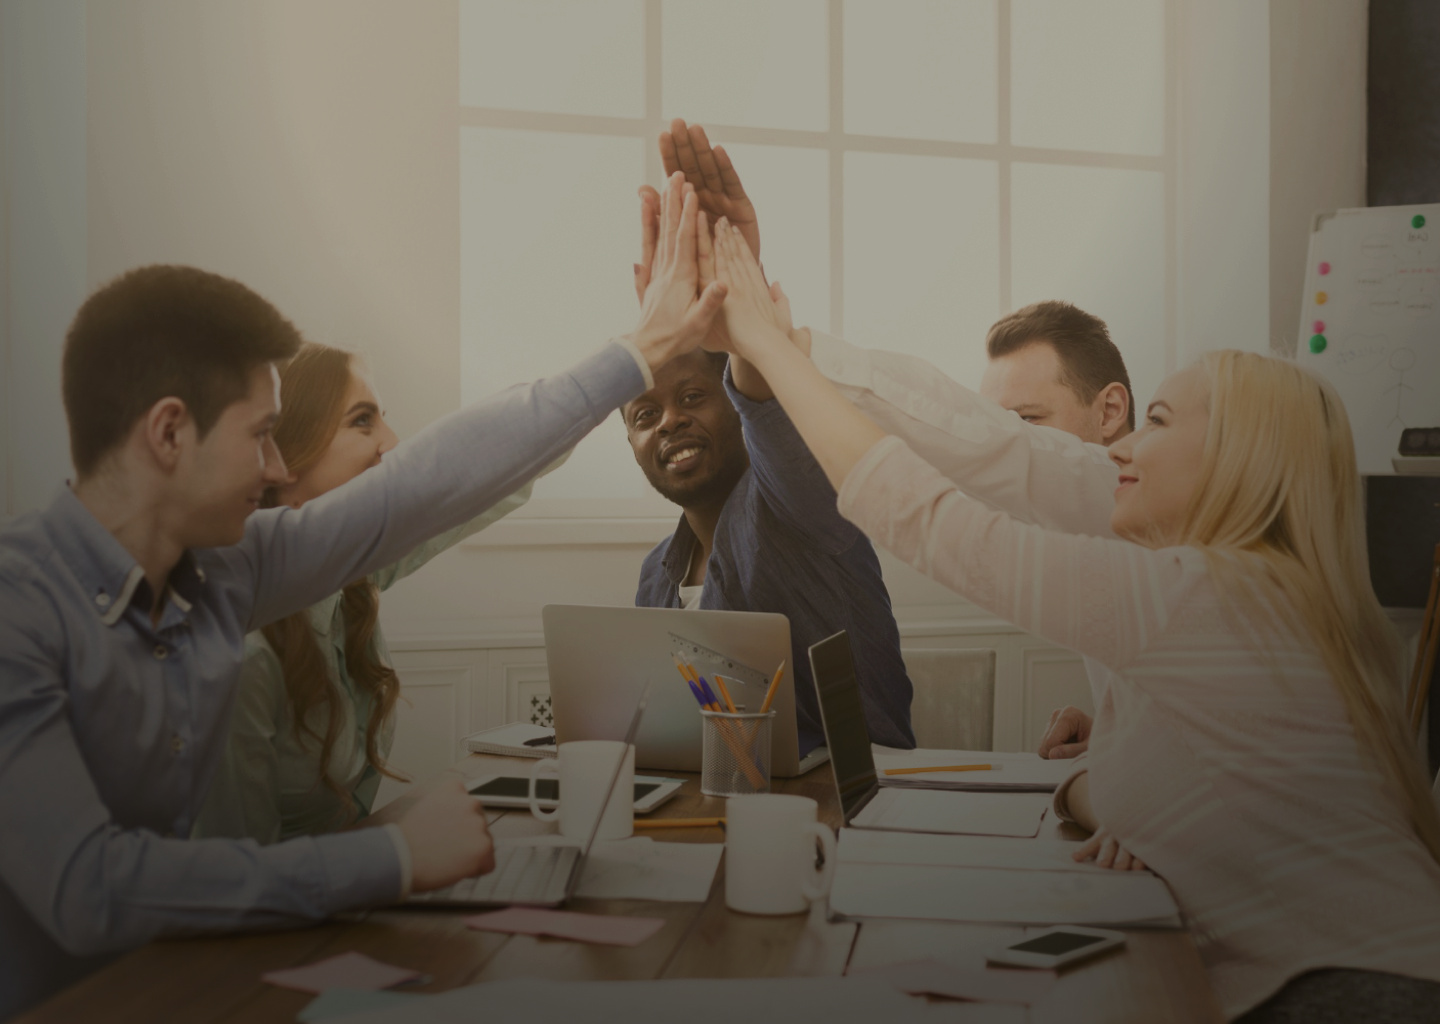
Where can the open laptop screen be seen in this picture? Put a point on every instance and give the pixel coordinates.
(844, 717)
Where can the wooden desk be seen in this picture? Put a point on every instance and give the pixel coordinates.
(1156, 978)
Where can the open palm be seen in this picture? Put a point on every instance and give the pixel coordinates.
(717, 186)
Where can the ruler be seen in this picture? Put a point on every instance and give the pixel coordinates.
(703, 657)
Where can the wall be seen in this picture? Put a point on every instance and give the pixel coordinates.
(1317, 139)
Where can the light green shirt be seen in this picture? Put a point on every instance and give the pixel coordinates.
(268, 785)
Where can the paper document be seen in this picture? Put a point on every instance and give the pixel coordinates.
(348, 970)
(637, 868)
(1019, 772)
(1001, 896)
(865, 846)
(338, 1002)
(695, 1001)
(957, 813)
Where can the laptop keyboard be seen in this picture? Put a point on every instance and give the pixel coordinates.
(523, 874)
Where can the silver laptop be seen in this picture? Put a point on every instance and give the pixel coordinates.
(534, 876)
(600, 657)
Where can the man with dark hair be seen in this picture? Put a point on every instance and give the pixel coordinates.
(1054, 365)
(760, 531)
(124, 606)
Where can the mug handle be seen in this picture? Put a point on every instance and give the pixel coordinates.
(816, 885)
(541, 767)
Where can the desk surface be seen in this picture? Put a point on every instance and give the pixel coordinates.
(1157, 976)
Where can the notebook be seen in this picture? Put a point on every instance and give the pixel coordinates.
(509, 741)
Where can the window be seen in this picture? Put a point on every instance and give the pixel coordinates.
(920, 167)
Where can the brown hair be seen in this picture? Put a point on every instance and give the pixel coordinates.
(161, 332)
(312, 396)
(1089, 360)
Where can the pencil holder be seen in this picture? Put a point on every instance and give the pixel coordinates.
(735, 755)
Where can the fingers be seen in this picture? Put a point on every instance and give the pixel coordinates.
(705, 158)
(668, 157)
(782, 307)
(1089, 848)
(706, 307)
(728, 178)
(671, 210)
(685, 151)
(704, 253)
(1136, 864)
(1123, 859)
(686, 244)
(649, 232)
(1108, 849)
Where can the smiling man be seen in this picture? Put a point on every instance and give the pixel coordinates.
(760, 533)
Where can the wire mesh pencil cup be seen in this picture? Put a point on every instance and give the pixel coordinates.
(735, 753)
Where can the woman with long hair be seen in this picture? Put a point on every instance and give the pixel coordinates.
(1248, 743)
(314, 713)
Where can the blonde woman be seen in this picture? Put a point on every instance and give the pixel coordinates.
(315, 710)
(1248, 743)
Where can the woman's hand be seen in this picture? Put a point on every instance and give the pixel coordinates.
(1107, 852)
(754, 318)
(675, 314)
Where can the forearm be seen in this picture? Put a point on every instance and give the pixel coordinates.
(748, 380)
(837, 433)
(1073, 802)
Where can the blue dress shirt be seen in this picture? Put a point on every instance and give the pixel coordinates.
(782, 546)
(111, 727)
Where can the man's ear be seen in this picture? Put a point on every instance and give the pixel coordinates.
(166, 428)
(1114, 403)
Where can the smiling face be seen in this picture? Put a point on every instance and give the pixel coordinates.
(221, 479)
(361, 439)
(1160, 463)
(686, 435)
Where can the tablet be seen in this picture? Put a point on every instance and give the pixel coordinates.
(514, 791)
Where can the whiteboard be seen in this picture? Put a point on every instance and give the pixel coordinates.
(1368, 321)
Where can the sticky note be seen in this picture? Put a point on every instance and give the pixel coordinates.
(1321, 298)
(562, 924)
(348, 970)
(1318, 343)
(1324, 269)
(1417, 221)
(1319, 326)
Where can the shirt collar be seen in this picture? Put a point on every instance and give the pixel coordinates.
(108, 572)
(678, 553)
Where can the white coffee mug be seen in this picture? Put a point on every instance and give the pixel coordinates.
(585, 768)
(770, 854)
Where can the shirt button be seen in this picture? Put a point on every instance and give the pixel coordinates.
(103, 600)
(177, 744)
(160, 652)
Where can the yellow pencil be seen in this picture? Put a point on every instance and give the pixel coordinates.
(725, 694)
(643, 823)
(774, 688)
(944, 768)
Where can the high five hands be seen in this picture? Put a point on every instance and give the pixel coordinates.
(677, 308)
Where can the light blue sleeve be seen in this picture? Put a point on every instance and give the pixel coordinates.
(443, 477)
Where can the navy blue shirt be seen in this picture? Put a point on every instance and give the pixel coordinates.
(782, 546)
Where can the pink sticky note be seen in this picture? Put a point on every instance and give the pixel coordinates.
(348, 970)
(601, 928)
(1319, 326)
(988, 985)
(1324, 269)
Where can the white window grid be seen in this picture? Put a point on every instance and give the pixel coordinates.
(836, 141)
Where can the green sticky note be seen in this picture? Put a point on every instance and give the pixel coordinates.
(1417, 221)
(1318, 343)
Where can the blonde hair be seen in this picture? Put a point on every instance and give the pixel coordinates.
(313, 386)
(1277, 512)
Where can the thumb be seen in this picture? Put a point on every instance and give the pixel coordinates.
(782, 306)
(709, 303)
(642, 280)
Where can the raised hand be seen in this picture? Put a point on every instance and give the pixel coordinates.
(752, 317)
(685, 148)
(675, 314)
(1067, 734)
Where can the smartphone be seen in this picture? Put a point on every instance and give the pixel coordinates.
(1056, 947)
(514, 791)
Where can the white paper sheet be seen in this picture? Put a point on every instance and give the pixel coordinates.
(864, 846)
(639, 868)
(697, 1001)
(996, 895)
(958, 813)
(1018, 772)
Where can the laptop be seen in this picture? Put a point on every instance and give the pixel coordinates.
(867, 802)
(601, 656)
(534, 876)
